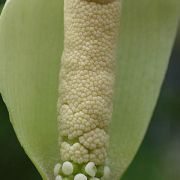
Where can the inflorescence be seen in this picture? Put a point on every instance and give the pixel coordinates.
(86, 88)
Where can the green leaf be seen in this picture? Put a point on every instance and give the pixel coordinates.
(30, 50)
(148, 29)
(31, 43)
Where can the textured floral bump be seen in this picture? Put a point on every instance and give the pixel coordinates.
(86, 88)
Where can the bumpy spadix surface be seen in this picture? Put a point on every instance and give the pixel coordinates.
(86, 79)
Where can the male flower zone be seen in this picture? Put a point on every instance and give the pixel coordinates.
(86, 88)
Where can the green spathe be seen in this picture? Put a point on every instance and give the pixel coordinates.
(30, 51)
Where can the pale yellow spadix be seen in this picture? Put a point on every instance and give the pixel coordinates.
(86, 79)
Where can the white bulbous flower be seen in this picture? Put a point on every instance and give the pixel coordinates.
(80, 177)
(94, 178)
(58, 177)
(91, 169)
(67, 168)
(57, 168)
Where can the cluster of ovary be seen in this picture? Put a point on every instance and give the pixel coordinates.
(86, 80)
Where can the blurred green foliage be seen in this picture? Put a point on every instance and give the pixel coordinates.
(2, 1)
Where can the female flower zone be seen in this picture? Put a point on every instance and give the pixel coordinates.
(86, 88)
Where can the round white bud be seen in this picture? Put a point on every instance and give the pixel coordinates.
(57, 168)
(58, 177)
(67, 168)
(80, 177)
(91, 169)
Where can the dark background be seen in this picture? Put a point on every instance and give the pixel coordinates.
(2, 1)
(158, 157)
